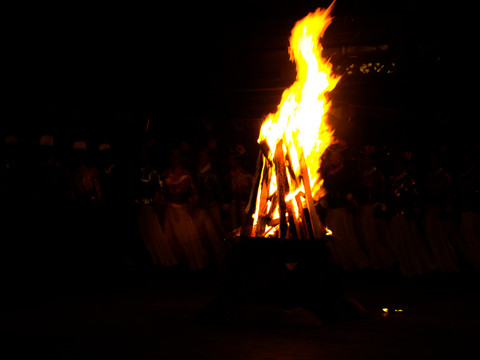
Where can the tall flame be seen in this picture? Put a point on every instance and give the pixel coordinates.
(300, 118)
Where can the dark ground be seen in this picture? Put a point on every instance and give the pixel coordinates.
(148, 315)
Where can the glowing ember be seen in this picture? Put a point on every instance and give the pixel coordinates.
(297, 134)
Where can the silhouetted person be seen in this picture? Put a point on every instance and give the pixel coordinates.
(49, 196)
(181, 197)
(439, 228)
(149, 212)
(50, 175)
(241, 182)
(340, 184)
(207, 212)
(413, 255)
(12, 172)
(16, 213)
(119, 216)
(87, 200)
(468, 192)
(373, 228)
(86, 177)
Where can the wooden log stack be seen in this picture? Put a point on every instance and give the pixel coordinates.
(297, 217)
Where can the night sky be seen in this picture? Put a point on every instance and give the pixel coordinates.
(173, 59)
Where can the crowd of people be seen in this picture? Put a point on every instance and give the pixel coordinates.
(167, 206)
(172, 207)
(419, 214)
(180, 206)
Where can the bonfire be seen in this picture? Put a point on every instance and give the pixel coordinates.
(293, 139)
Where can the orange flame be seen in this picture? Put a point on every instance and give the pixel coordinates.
(300, 118)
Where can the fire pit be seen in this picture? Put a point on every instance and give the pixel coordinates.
(282, 255)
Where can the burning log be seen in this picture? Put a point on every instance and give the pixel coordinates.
(284, 201)
(256, 183)
(262, 200)
(291, 171)
(282, 186)
(265, 150)
(317, 228)
(304, 230)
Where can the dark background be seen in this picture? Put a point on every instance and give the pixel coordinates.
(92, 72)
(99, 72)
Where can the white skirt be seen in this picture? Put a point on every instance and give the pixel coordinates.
(441, 237)
(346, 249)
(154, 238)
(375, 237)
(413, 255)
(208, 224)
(179, 227)
(470, 230)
